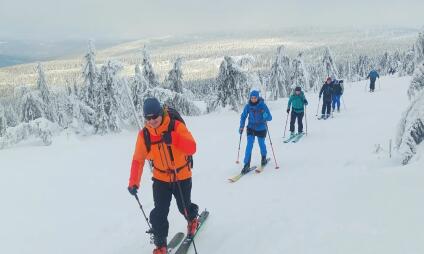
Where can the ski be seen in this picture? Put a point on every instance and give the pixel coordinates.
(297, 138)
(289, 139)
(261, 168)
(185, 245)
(237, 177)
(175, 241)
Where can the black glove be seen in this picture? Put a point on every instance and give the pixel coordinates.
(167, 138)
(241, 130)
(305, 102)
(288, 110)
(133, 190)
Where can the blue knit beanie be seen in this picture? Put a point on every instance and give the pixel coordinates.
(152, 106)
(254, 93)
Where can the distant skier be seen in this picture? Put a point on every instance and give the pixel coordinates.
(373, 75)
(258, 114)
(171, 177)
(327, 93)
(297, 103)
(338, 90)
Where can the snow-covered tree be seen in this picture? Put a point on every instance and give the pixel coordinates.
(279, 82)
(32, 106)
(148, 71)
(40, 128)
(3, 122)
(328, 63)
(417, 83)
(419, 47)
(175, 100)
(12, 118)
(109, 98)
(299, 75)
(363, 66)
(408, 63)
(48, 105)
(138, 86)
(231, 87)
(411, 129)
(174, 81)
(90, 75)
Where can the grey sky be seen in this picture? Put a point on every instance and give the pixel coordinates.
(57, 19)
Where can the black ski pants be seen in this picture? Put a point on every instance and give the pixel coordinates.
(326, 107)
(162, 196)
(299, 116)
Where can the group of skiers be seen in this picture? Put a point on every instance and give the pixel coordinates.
(168, 145)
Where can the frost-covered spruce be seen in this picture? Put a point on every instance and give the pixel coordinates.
(39, 128)
(419, 47)
(174, 100)
(3, 122)
(231, 87)
(174, 81)
(417, 83)
(48, 105)
(279, 82)
(299, 75)
(408, 63)
(148, 71)
(32, 106)
(138, 86)
(90, 75)
(411, 129)
(328, 63)
(109, 108)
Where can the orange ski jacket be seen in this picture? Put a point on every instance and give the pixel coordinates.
(183, 145)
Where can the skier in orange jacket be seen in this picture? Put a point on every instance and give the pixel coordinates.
(169, 150)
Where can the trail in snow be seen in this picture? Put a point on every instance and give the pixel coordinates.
(332, 194)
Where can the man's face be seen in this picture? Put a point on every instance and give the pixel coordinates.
(297, 92)
(253, 99)
(328, 81)
(153, 120)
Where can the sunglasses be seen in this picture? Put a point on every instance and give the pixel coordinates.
(151, 117)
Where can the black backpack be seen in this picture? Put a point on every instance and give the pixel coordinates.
(175, 116)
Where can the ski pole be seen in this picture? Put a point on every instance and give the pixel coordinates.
(238, 153)
(144, 214)
(272, 148)
(180, 190)
(319, 100)
(306, 122)
(344, 105)
(379, 84)
(285, 128)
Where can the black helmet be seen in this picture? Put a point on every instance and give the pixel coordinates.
(298, 88)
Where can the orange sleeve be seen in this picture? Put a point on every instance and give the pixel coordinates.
(137, 164)
(183, 140)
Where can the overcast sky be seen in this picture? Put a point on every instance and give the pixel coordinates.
(130, 19)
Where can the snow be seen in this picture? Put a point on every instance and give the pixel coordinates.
(332, 194)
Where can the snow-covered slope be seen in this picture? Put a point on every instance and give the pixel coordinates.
(332, 194)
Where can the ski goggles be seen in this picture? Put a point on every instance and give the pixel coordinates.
(151, 117)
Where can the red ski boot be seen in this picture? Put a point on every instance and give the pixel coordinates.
(160, 250)
(192, 227)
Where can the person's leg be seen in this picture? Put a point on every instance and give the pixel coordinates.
(262, 146)
(292, 120)
(249, 147)
(162, 195)
(338, 102)
(328, 108)
(333, 103)
(300, 122)
(323, 110)
(192, 209)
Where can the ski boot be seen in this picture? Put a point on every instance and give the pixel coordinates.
(192, 227)
(160, 243)
(245, 168)
(263, 161)
(160, 250)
